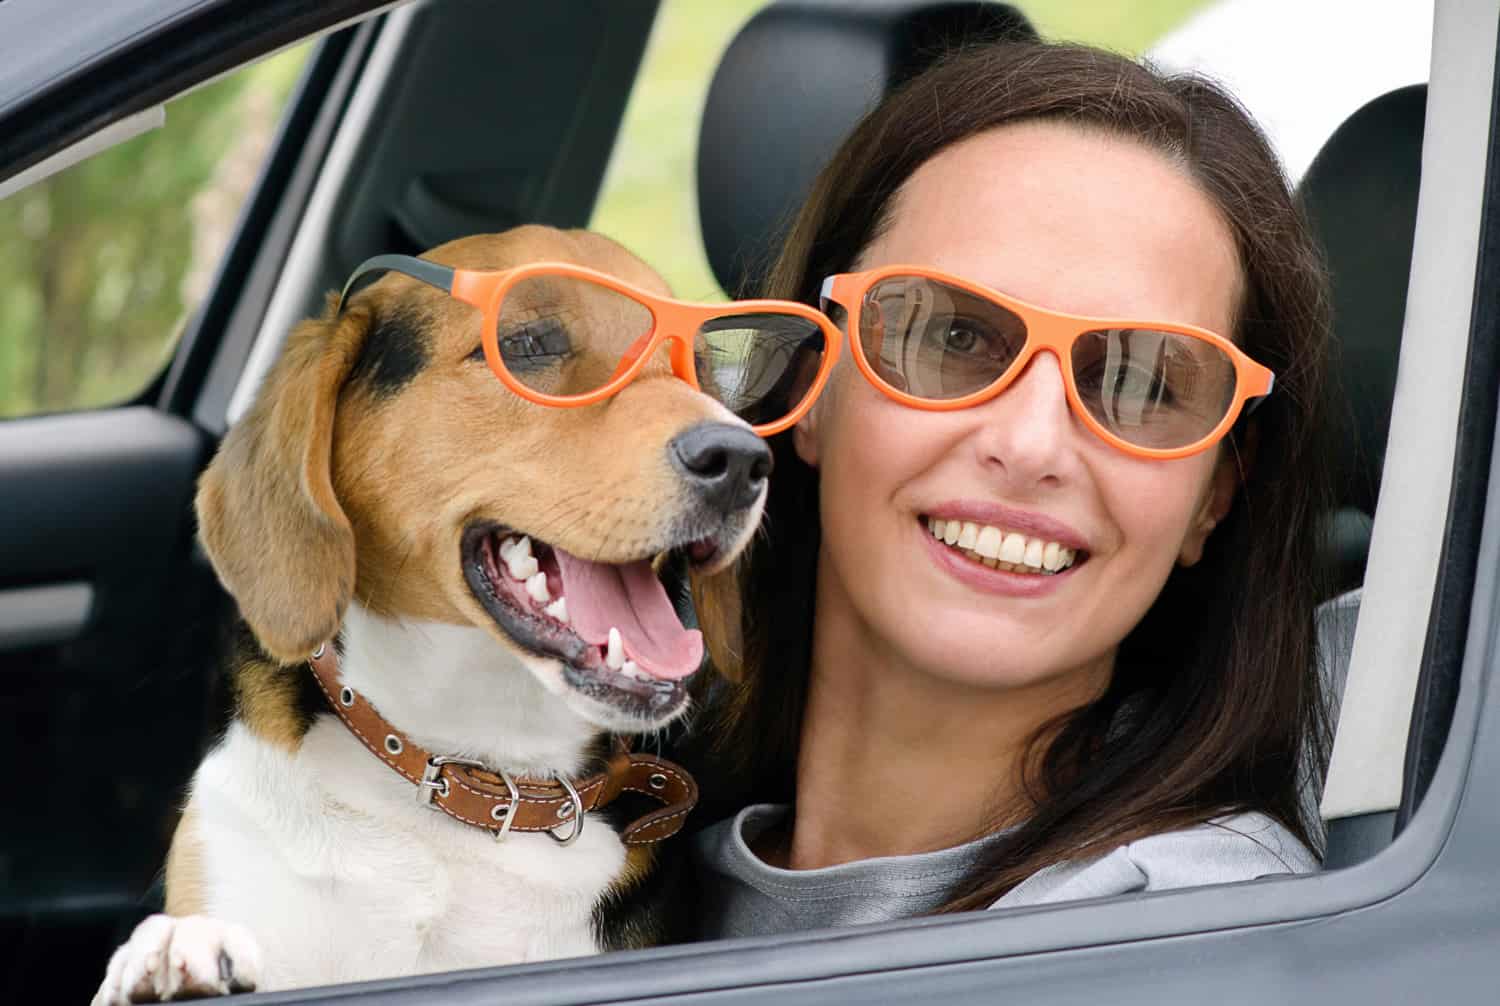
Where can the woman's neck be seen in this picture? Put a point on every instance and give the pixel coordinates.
(895, 760)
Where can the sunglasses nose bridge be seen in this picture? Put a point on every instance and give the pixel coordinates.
(680, 352)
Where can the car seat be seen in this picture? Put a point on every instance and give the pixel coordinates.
(1360, 194)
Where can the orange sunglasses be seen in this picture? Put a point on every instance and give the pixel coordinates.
(565, 335)
(1152, 389)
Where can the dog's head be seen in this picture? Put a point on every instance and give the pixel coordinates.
(383, 461)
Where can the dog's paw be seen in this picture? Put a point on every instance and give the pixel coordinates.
(169, 958)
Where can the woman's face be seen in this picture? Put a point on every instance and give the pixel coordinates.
(1064, 218)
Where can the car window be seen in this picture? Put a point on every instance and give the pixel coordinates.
(106, 260)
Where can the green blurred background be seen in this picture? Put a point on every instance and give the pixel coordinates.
(105, 261)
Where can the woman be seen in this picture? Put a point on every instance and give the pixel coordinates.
(929, 717)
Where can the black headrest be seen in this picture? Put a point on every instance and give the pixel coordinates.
(790, 86)
(1361, 197)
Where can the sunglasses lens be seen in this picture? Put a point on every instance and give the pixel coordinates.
(562, 335)
(759, 365)
(1160, 390)
(936, 341)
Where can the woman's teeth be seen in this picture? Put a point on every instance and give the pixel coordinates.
(999, 549)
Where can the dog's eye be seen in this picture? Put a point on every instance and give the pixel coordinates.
(535, 345)
(477, 355)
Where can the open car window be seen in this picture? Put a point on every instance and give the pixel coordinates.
(108, 258)
(1424, 548)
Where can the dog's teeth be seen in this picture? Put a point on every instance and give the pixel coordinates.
(521, 564)
(536, 586)
(524, 545)
(633, 670)
(614, 654)
(558, 609)
(507, 547)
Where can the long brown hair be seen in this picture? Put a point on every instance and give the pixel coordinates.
(1215, 700)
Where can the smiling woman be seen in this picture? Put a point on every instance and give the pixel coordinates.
(1023, 544)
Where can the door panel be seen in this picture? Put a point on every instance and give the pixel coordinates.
(110, 623)
(102, 700)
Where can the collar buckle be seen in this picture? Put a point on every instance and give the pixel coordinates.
(433, 783)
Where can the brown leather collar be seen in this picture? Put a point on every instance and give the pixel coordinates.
(502, 804)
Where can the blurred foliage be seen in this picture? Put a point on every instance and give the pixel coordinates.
(648, 200)
(104, 261)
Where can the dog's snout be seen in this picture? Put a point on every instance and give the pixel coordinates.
(727, 465)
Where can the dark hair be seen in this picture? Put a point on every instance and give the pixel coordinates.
(1215, 700)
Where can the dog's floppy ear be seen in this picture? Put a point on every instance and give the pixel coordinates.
(267, 513)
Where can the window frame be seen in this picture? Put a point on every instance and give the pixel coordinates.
(1436, 869)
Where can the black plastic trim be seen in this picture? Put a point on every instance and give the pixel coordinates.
(1448, 625)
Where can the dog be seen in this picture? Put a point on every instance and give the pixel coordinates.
(375, 517)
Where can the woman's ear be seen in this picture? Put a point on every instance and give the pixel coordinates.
(805, 438)
(805, 433)
(1230, 470)
(267, 514)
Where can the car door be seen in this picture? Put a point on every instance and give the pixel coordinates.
(106, 612)
(107, 618)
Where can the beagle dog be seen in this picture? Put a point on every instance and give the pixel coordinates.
(423, 734)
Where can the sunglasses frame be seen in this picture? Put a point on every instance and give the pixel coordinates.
(1050, 331)
(674, 322)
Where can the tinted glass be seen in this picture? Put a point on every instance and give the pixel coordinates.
(565, 336)
(936, 341)
(1154, 389)
(759, 365)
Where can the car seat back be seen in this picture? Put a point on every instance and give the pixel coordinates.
(791, 85)
(1360, 195)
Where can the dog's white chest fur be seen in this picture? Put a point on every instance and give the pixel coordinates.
(327, 856)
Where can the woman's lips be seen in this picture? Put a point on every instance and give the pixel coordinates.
(985, 579)
(1024, 521)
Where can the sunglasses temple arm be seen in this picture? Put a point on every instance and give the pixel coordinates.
(440, 276)
(825, 293)
(1256, 402)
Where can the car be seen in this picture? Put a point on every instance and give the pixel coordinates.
(135, 325)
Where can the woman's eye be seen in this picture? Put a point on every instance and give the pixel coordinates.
(961, 340)
(970, 339)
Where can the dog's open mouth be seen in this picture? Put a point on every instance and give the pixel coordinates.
(612, 625)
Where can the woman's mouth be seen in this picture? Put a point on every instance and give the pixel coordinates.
(1003, 549)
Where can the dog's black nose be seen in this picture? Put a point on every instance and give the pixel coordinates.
(727, 465)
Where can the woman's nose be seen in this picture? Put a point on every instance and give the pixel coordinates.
(1027, 430)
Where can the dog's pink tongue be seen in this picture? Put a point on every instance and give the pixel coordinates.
(631, 599)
